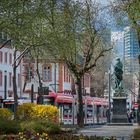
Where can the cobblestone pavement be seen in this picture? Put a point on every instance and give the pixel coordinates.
(120, 132)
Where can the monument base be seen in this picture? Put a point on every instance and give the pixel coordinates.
(119, 110)
(120, 124)
(119, 119)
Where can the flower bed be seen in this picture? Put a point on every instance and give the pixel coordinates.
(27, 135)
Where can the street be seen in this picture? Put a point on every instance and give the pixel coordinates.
(120, 132)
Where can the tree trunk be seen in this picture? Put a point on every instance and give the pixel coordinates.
(80, 112)
(40, 91)
(15, 85)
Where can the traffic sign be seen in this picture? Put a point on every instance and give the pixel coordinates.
(135, 105)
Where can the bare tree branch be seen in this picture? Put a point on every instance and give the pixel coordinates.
(5, 43)
(86, 69)
(23, 53)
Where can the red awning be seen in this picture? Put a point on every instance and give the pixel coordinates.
(52, 94)
(97, 101)
(89, 100)
(62, 98)
(105, 102)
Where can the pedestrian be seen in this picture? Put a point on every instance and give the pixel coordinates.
(128, 116)
(132, 116)
(108, 115)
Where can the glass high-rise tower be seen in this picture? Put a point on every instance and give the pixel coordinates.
(131, 51)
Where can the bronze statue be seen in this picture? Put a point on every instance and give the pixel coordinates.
(118, 74)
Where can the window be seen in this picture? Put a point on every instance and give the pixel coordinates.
(6, 57)
(10, 58)
(1, 56)
(29, 73)
(0, 78)
(66, 75)
(47, 73)
(19, 80)
(10, 79)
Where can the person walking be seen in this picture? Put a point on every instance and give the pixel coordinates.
(128, 116)
(132, 116)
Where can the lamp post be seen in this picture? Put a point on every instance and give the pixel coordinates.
(55, 84)
(5, 84)
(138, 115)
(109, 96)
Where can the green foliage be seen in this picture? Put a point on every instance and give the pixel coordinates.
(9, 126)
(24, 111)
(137, 133)
(53, 128)
(5, 114)
(73, 137)
(33, 126)
(13, 127)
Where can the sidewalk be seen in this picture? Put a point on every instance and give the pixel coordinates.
(120, 132)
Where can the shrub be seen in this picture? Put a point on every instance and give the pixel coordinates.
(43, 112)
(5, 114)
(24, 111)
(33, 126)
(53, 128)
(30, 111)
(9, 126)
(137, 133)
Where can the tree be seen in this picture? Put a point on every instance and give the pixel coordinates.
(17, 20)
(99, 76)
(76, 39)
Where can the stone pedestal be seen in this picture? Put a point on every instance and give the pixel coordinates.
(119, 112)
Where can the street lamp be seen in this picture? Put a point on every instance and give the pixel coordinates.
(5, 84)
(139, 93)
(109, 95)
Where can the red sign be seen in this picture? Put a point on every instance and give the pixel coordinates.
(135, 106)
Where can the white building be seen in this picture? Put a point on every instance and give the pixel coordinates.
(6, 74)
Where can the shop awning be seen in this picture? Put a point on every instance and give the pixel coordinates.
(62, 98)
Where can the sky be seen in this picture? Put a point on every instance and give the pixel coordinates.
(117, 40)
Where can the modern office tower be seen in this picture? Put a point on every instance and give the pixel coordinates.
(131, 51)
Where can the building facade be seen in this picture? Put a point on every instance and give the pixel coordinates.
(56, 76)
(6, 71)
(131, 64)
(131, 51)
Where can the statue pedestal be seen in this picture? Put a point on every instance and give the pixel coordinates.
(119, 110)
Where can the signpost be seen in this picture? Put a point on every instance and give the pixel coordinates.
(135, 105)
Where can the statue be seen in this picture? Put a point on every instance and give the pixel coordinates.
(118, 71)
